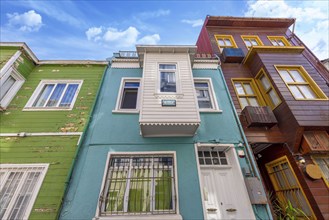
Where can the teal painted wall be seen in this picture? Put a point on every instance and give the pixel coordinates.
(115, 132)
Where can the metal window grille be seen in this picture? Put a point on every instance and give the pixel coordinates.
(142, 184)
(18, 185)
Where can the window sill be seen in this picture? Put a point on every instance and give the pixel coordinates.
(140, 217)
(210, 110)
(46, 109)
(135, 111)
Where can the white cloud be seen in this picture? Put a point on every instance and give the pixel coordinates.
(194, 23)
(28, 21)
(149, 39)
(120, 38)
(93, 33)
(311, 21)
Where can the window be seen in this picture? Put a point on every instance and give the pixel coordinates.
(167, 77)
(271, 97)
(247, 93)
(323, 163)
(205, 94)
(279, 41)
(286, 185)
(138, 185)
(225, 41)
(300, 84)
(127, 100)
(19, 187)
(212, 157)
(10, 82)
(54, 94)
(251, 40)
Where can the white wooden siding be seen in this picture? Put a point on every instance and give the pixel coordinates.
(186, 110)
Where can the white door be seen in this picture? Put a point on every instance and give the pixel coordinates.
(224, 192)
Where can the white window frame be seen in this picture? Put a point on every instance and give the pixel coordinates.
(37, 186)
(177, 78)
(213, 99)
(120, 95)
(29, 107)
(11, 71)
(175, 216)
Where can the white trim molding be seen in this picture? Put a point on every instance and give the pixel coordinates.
(29, 105)
(26, 171)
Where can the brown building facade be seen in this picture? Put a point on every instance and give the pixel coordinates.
(280, 91)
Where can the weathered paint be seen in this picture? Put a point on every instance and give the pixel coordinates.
(115, 132)
(58, 152)
(6, 53)
(16, 120)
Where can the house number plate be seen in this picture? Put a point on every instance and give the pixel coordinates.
(171, 103)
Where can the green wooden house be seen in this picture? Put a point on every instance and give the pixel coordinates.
(44, 108)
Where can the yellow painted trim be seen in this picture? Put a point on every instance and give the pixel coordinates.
(309, 81)
(251, 37)
(257, 94)
(230, 37)
(269, 168)
(275, 49)
(265, 93)
(284, 40)
(314, 161)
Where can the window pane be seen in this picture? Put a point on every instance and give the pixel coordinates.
(243, 102)
(266, 84)
(274, 43)
(221, 42)
(275, 99)
(5, 87)
(114, 201)
(163, 187)
(202, 85)
(247, 42)
(168, 82)
(286, 76)
(295, 91)
(248, 88)
(307, 91)
(280, 42)
(129, 99)
(43, 96)
(228, 42)
(140, 191)
(56, 95)
(167, 66)
(297, 76)
(204, 104)
(69, 95)
(239, 88)
(253, 102)
(131, 84)
(323, 163)
(254, 42)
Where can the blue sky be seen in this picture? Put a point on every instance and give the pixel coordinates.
(95, 29)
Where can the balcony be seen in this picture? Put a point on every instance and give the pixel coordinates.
(232, 55)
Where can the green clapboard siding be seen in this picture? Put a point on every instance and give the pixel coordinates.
(58, 152)
(6, 53)
(24, 65)
(15, 120)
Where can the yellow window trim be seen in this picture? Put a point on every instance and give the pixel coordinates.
(230, 37)
(269, 168)
(282, 38)
(251, 37)
(314, 161)
(257, 94)
(265, 93)
(309, 81)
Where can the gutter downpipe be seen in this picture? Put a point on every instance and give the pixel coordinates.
(80, 142)
(248, 149)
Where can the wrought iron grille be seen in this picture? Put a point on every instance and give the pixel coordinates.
(142, 184)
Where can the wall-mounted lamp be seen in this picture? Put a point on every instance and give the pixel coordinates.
(300, 160)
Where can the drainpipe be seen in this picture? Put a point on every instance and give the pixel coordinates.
(81, 139)
(248, 149)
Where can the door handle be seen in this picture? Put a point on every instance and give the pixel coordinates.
(212, 209)
(231, 210)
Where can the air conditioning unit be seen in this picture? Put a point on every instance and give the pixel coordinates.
(259, 116)
(232, 55)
